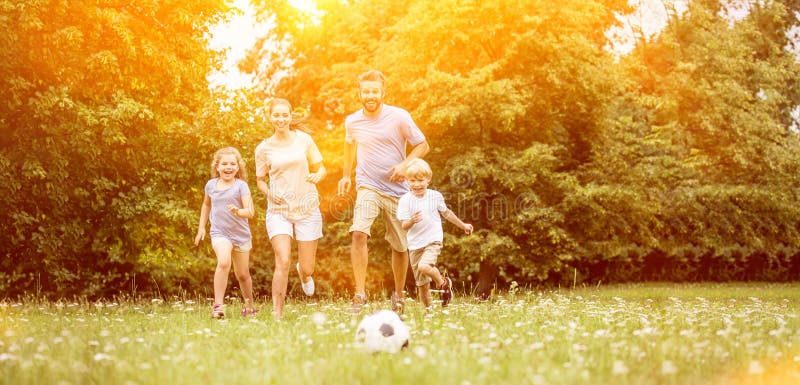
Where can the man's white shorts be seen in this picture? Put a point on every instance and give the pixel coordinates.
(306, 229)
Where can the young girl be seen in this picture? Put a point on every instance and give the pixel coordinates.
(294, 165)
(228, 201)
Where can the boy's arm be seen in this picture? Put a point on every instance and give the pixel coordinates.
(452, 218)
(406, 224)
(404, 214)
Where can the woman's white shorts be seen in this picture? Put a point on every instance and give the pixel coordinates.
(306, 229)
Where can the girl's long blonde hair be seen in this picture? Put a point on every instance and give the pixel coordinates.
(241, 174)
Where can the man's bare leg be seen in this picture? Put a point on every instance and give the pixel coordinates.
(399, 268)
(359, 257)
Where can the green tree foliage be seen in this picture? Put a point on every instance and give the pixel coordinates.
(677, 155)
(98, 145)
(478, 78)
(676, 161)
(707, 148)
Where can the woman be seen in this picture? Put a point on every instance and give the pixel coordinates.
(293, 163)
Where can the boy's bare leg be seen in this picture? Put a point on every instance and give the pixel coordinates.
(424, 294)
(433, 272)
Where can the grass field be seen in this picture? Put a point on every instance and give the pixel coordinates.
(632, 334)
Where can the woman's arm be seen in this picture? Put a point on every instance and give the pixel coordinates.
(318, 172)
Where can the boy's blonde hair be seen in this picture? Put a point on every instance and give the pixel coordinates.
(418, 168)
(241, 174)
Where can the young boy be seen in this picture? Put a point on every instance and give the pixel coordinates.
(420, 212)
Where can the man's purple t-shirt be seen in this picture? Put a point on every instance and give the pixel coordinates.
(381, 144)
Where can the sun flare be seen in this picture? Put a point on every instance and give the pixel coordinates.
(304, 5)
(240, 33)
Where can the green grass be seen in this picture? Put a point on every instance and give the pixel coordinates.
(631, 334)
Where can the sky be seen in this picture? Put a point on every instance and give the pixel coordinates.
(236, 36)
(241, 32)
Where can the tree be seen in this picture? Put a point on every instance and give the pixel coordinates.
(99, 142)
(709, 144)
(496, 78)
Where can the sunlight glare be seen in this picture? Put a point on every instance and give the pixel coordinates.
(309, 8)
(235, 37)
(304, 5)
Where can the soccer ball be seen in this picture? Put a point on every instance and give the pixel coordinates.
(382, 331)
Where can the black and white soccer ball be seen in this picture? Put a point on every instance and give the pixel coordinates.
(382, 331)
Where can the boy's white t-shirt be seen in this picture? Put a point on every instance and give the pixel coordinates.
(428, 230)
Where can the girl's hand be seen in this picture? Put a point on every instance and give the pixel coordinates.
(201, 234)
(234, 210)
(417, 217)
(468, 228)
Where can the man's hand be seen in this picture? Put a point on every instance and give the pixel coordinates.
(398, 172)
(344, 185)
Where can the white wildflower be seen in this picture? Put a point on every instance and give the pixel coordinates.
(667, 367)
(619, 368)
(7, 357)
(755, 368)
(101, 357)
(319, 319)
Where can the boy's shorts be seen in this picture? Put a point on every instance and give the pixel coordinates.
(427, 255)
(306, 229)
(243, 248)
(369, 204)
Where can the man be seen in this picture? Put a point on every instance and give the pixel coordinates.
(376, 137)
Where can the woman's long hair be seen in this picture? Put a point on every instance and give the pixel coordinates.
(298, 121)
